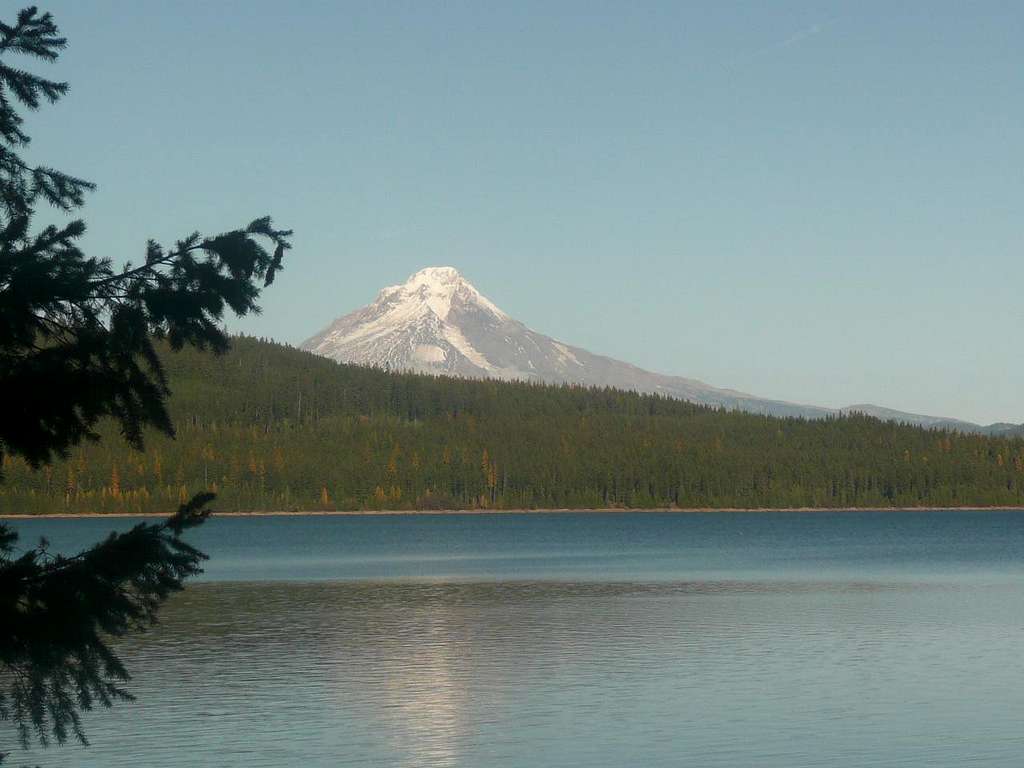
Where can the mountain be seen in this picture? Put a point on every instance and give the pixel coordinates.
(437, 322)
(999, 429)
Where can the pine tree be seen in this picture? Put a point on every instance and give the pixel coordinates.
(77, 346)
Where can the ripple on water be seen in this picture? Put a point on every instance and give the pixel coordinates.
(719, 673)
(778, 641)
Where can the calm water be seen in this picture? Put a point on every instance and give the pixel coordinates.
(847, 639)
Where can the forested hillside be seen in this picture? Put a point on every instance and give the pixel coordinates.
(268, 427)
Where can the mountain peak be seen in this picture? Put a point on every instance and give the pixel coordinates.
(435, 290)
(439, 275)
(434, 322)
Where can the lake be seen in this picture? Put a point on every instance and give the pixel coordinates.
(634, 639)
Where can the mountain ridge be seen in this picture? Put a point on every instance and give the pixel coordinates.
(438, 322)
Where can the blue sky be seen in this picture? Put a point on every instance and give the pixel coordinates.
(815, 201)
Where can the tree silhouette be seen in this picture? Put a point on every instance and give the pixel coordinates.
(77, 346)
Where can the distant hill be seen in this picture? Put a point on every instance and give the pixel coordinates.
(270, 427)
(437, 322)
(934, 422)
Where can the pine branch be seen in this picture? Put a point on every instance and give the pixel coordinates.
(77, 346)
(66, 607)
(32, 35)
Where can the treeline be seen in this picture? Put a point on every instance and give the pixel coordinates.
(268, 427)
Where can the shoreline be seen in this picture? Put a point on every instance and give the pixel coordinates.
(546, 511)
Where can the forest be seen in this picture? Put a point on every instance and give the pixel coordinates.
(268, 427)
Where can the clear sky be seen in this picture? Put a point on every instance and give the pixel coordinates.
(814, 201)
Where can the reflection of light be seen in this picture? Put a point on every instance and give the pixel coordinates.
(405, 666)
(428, 696)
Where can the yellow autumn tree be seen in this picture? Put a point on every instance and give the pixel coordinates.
(71, 484)
(115, 482)
(490, 470)
(392, 468)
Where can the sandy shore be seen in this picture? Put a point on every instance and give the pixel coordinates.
(603, 510)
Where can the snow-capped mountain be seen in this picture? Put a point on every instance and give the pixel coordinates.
(437, 322)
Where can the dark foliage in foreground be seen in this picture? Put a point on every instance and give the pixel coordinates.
(58, 612)
(76, 347)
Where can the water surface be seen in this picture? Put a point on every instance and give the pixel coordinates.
(727, 639)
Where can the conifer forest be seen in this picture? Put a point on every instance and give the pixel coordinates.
(270, 428)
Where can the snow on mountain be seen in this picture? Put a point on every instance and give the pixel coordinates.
(437, 322)
(419, 326)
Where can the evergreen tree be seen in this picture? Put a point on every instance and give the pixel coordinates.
(378, 440)
(77, 346)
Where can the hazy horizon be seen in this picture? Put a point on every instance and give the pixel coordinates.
(812, 202)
